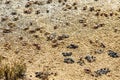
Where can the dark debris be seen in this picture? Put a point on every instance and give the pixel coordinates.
(113, 54)
(90, 58)
(65, 54)
(81, 61)
(42, 75)
(7, 31)
(69, 60)
(72, 46)
(101, 72)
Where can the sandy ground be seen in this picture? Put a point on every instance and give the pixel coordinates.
(93, 25)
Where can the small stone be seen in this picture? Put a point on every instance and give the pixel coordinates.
(102, 45)
(55, 27)
(91, 9)
(88, 71)
(25, 29)
(30, 75)
(32, 31)
(7, 2)
(42, 75)
(65, 0)
(72, 46)
(81, 21)
(84, 8)
(55, 45)
(99, 51)
(51, 36)
(28, 11)
(20, 38)
(69, 60)
(97, 14)
(54, 41)
(81, 61)
(28, 4)
(62, 36)
(49, 1)
(65, 54)
(11, 25)
(38, 2)
(90, 58)
(37, 29)
(59, 38)
(74, 3)
(37, 12)
(16, 52)
(67, 23)
(59, 1)
(24, 44)
(75, 8)
(38, 47)
(113, 54)
(15, 19)
(65, 36)
(106, 15)
(4, 19)
(7, 31)
(35, 36)
(101, 72)
(14, 13)
(47, 11)
(98, 26)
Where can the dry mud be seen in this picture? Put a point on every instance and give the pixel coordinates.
(31, 30)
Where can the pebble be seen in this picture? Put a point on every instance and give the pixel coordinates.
(4, 19)
(41, 75)
(65, 36)
(28, 11)
(55, 45)
(72, 46)
(13, 13)
(28, 4)
(91, 9)
(38, 2)
(81, 21)
(81, 61)
(101, 72)
(51, 36)
(84, 8)
(62, 36)
(113, 54)
(102, 45)
(69, 60)
(7, 2)
(88, 71)
(38, 47)
(90, 58)
(98, 26)
(99, 51)
(37, 12)
(65, 54)
(32, 31)
(7, 31)
(59, 38)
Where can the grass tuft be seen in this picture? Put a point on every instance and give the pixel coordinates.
(13, 72)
